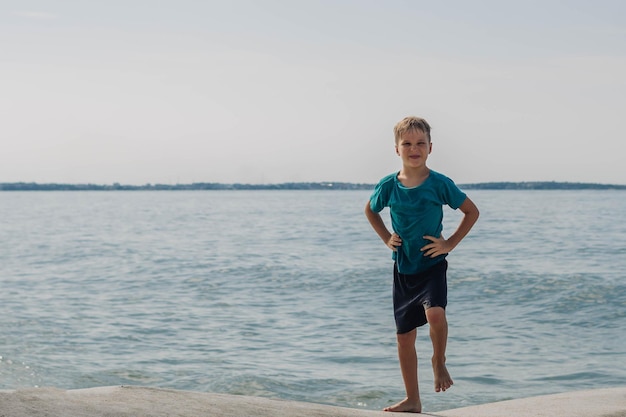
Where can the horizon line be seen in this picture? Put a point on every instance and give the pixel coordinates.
(302, 185)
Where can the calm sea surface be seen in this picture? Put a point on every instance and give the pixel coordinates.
(287, 294)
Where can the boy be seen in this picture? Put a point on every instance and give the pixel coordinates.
(415, 197)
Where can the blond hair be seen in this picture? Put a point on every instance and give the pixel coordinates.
(410, 123)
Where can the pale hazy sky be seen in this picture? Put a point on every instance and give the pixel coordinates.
(251, 91)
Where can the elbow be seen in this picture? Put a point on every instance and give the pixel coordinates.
(474, 214)
(470, 209)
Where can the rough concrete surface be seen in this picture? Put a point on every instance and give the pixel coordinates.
(129, 401)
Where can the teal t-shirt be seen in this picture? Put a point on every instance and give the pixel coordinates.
(416, 212)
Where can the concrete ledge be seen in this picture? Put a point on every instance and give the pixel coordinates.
(128, 401)
(610, 402)
(125, 401)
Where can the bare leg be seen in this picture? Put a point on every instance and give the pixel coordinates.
(439, 336)
(408, 365)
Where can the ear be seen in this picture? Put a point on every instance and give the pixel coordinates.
(430, 147)
(397, 151)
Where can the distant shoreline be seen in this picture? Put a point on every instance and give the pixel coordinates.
(532, 185)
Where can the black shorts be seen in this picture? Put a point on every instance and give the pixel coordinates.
(413, 294)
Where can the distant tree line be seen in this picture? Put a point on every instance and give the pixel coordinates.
(541, 185)
(32, 186)
(535, 185)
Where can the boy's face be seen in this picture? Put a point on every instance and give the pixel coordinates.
(414, 148)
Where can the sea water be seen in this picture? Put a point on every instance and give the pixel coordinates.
(287, 294)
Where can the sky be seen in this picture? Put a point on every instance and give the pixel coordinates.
(272, 91)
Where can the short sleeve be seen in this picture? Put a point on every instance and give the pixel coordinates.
(380, 196)
(452, 195)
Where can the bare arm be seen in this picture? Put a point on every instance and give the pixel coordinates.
(439, 245)
(392, 240)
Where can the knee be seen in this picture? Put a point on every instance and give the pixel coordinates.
(436, 316)
(406, 339)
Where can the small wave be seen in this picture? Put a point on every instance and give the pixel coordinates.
(574, 376)
(482, 379)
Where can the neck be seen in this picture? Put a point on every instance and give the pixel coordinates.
(412, 177)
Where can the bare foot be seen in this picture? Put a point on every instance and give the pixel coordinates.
(406, 406)
(443, 381)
